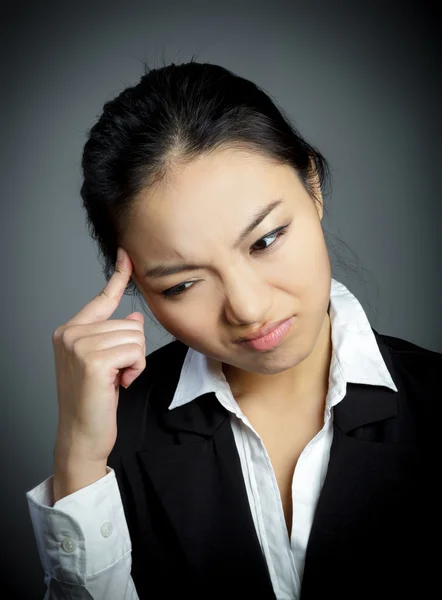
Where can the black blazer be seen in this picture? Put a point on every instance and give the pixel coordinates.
(187, 509)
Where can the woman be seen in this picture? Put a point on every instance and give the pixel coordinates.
(278, 447)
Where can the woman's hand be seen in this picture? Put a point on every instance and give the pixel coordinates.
(93, 357)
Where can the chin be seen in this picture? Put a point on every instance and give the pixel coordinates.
(271, 363)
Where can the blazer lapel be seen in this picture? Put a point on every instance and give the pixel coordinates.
(369, 487)
(195, 470)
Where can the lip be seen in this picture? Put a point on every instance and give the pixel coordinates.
(261, 332)
(273, 336)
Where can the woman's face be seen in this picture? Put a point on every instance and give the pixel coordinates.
(232, 289)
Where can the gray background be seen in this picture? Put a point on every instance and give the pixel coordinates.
(361, 80)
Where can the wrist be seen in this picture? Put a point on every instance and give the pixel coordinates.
(71, 476)
(72, 450)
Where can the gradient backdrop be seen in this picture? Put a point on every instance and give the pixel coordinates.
(360, 79)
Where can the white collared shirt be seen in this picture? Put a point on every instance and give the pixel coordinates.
(80, 526)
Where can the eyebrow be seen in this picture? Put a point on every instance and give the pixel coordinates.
(162, 270)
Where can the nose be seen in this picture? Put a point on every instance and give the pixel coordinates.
(248, 299)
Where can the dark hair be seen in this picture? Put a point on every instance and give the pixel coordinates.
(172, 115)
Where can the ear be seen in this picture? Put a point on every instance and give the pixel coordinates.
(316, 189)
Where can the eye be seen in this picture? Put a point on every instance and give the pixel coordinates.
(277, 233)
(176, 291)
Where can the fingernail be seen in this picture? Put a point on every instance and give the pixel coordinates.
(120, 254)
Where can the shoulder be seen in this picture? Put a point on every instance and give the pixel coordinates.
(416, 360)
(416, 372)
(405, 346)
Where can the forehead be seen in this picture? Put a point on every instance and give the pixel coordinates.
(210, 198)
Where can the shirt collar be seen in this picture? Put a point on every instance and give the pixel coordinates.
(354, 349)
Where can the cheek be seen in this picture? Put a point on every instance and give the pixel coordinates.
(308, 254)
(183, 321)
(197, 336)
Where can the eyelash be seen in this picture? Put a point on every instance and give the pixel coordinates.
(277, 233)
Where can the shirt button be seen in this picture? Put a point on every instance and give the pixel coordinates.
(106, 529)
(69, 544)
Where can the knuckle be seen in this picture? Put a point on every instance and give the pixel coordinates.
(67, 337)
(56, 335)
(138, 349)
(105, 293)
(76, 345)
(141, 337)
(135, 325)
(119, 268)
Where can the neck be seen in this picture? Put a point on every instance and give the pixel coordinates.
(291, 388)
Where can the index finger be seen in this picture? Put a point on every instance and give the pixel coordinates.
(106, 302)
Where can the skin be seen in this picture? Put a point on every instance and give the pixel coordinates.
(195, 216)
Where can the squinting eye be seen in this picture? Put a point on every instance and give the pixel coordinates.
(175, 291)
(273, 234)
(277, 233)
